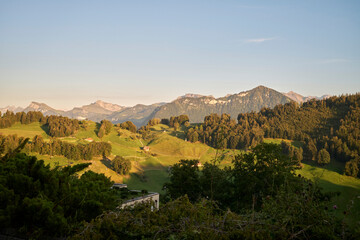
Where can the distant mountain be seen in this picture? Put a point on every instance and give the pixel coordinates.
(13, 109)
(325, 96)
(295, 96)
(198, 108)
(139, 114)
(299, 98)
(108, 106)
(43, 108)
(192, 95)
(96, 111)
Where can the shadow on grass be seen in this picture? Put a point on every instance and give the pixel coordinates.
(178, 134)
(333, 166)
(106, 162)
(346, 198)
(151, 180)
(297, 144)
(45, 128)
(140, 176)
(97, 127)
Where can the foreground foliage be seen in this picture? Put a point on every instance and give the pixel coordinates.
(260, 197)
(253, 176)
(181, 219)
(37, 202)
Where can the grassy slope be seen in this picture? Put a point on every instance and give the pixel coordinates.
(331, 180)
(29, 130)
(150, 169)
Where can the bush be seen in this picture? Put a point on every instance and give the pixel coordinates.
(121, 165)
(323, 157)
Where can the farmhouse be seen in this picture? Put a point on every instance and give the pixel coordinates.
(89, 139)
(146, 148)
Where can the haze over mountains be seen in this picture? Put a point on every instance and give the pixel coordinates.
(196, 106)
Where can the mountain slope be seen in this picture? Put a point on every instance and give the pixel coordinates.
(43, 108)
(139, 114)
(192, 95)
(102, 107)
(198, 108)
(295, 96)
(96, 111)
(299, 98)
(12, 108)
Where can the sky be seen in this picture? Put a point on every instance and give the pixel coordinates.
(71, 53)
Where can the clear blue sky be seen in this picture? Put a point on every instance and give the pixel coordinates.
(71, 53)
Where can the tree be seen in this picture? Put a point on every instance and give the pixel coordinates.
(310, 150)
(128, 125)
(194, 137)
(101, 131)
(165, 121)
(216, 184)
(176, 126)
(352, 168)
(259, 173)
(40, 203)
(107, 126)
(154, 121)
(121, 165)
(184, 179)
(61, 126)
(323, 157)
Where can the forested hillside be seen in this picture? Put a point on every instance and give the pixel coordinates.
(328, 126)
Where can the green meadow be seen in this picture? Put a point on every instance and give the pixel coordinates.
(150, 169)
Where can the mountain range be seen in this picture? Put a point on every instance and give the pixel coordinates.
(299, 98)
(196, 106)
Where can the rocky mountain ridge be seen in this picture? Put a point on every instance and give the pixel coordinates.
(196, 106)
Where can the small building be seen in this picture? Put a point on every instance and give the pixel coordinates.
(199, 164)
(89, 139)
(151, 196)
(146, 148)
(119, 185)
